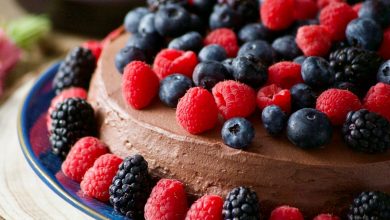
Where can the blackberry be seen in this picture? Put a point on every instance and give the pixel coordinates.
(241, 203)
(154, 5)
(370, 206)
(71, 120)
(367, 131)
(76, 70)
(131, 187)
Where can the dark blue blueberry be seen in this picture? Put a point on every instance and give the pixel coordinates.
(127, 55)
(224, 16)
(308, 128)
(364, 33)
(157, 4)
(191, 41)
(384, 73)
(133, 19)
(238, 133)
(197, 24)
(376, 10)
(172, 88)
(316, 72)
(274, 119)
(149, 43)
(203, 7)
(209, 73)
(260, 49)
(146, 25)
(302, 96)
(250, 72)
(228, 63)
(172, 21)
(212, 52)
(255, 31)
(299, 59)
(286, 48)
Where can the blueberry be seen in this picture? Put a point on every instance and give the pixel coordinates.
(191, 41)
(286, 48)
(157, 4)
(224, 16)
(376, 10)
(146, 25)
(247, 71)
(212, 52)
(255, 31)
(308, 128)
(228, 63)
(172, 88)
(133, 19)
(260, 49)
(127, 55)
(316, 72)
(384, 73)
(172, 21)
(197, 24)
(274, 119)
(209, 73)
(299, 59)
(238, 133)
(364, 33)
(203, 7)
(302, 96)
(149, 43)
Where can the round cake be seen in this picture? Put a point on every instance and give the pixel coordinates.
(318, 180)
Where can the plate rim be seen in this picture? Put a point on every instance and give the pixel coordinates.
(34, 163)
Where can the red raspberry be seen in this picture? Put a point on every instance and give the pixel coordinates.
(356, 7)
(324, 3)
(335, 18)
(168, 200)
(384, 50)
(234, 99)
(98, 178)
(286, 213)
(313, 40)
(336, 103)
(274, 95)
(82, 156)
(326, 217)
(277, 14)
(170, 61)
(196, 111)
(305, 9)
(139, 84)
(377, 100)
(95, 47)
(285, 74)
(207, 207)
(224, 37)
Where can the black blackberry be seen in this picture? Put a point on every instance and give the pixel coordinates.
(76, 70)
(155, 4)
(367, 131)
(370, 206)
(241, 203)
(247, 9)
(71, 120)
(131, 187)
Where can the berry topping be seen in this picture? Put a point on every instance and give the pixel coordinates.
(139, 84)
(314, 40)
(172, 88)
(286, 213)
(207, 207)
(191, 41)
(247, 70)
(377, 100)
(172, 20)
(326, 217)
(302, 96)
(238, 133)
(241, 203)
(168, 200)
(209, 73)
(364, 33)
(128, 55)
(383, 74)
(197, 112)
(370, 205)
(317, 72)
(285, 74)
(133, 19)
(234, 99)
(286, 48)
(277, 14)
(274, 95)
(384, 50)
(309, 128)
(259, 49)
(212, 52)
(98, 178)
(224, 37)
(274, 119)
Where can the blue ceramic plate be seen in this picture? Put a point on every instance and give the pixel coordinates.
(34, 140)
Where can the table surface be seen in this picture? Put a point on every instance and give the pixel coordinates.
(22, 194)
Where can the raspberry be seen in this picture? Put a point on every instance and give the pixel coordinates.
(98, 178)
(356, 7)
(82, 156)
(305, 9)
(170, 61)
(197, 112)
(384, 50)
(285, 74)
(336, 103)
(207, 207)
(326, 217)
(335, 18)
(139, 84)
(168, 200)
(224, 37)
(274, 95)
(377, 100)
(286, 212)
(234, 99)
(324, 3)
(313, 40)
(277, 14)
(95, 47)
